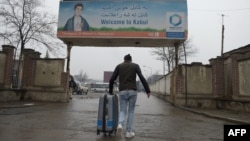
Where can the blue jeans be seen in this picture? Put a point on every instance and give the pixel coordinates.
(127, 104)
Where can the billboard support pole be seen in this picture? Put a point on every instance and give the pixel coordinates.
(69, 47)
(176, 45)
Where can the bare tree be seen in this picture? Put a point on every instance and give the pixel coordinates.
(28, 25)
(82, 76)
(167, 54)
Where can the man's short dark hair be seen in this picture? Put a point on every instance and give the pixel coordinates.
(79, 4)
(127, 57)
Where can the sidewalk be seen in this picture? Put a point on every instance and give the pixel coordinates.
(233, 116)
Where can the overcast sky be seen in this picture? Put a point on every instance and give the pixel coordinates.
(204, 29)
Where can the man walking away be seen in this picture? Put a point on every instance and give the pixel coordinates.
(127, 92)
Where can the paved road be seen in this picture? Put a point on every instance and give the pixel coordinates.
(155, 120)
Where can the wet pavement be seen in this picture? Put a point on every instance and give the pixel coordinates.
(155, 119)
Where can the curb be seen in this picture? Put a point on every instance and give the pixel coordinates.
(215, 116)
(18, 105)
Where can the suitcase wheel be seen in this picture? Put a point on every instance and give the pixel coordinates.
(98, 132)
(110, 133)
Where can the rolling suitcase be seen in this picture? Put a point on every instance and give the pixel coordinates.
(108, 114)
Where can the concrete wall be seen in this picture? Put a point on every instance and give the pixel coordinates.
(51, 96)
(42, 79)
(199, 78)
(222, 84)
(10, 95)
(162, 86)
(48, 72)
(172, 87)
(197, 92)
(48, 82)
(244, 77)
(228, 78)
(193, 86)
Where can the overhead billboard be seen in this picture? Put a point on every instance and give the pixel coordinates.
(116, 21)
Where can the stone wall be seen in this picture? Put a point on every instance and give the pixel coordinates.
(29, 65)
(237, 91)
(244, 77)
(2, 69)
(224, 83)
(162, 87)
(48, 72)
(199, 78)
(42, 79)
(6, 63)
(189, 85)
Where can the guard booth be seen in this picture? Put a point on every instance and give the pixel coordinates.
(118, 23)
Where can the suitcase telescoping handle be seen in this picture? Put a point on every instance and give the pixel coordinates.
(105, 100)
(112, 93)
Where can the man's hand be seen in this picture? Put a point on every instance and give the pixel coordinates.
(148, 95)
